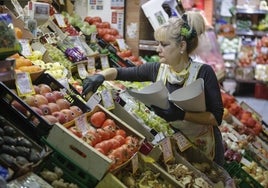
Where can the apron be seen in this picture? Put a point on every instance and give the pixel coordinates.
(202, 136)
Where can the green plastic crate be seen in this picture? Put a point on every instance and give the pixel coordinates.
(71, 172)
(241, 177)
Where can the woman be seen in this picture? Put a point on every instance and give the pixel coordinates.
(177, 39)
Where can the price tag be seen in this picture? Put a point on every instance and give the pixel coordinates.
(245, 162)
(135, 163)
(167, 149)
(81, 124)
(182, 142)
(93, 101)
(38, 46)
(107, 99)
(26, 47)
(91, 65)
(232, 137)
(60, 20)
(82, 71)
(24, 84)
(93, 38)
(104, 62)
(64, 82)
(122, 45)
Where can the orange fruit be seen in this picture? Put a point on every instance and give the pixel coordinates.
(18, 32)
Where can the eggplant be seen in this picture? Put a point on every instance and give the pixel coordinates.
(9, 131)
(9, 140)
(34, 156)
(1, 141)
(23, 151)
(22, 141)
(2, 132)
(9, 159)
(11, 150)
(20, 160)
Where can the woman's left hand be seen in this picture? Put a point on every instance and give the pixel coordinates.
(172, 114)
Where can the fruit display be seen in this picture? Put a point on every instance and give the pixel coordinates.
(107, 137)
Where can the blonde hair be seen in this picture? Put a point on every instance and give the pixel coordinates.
(186, 28)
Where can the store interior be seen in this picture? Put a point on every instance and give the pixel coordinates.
(51, 135)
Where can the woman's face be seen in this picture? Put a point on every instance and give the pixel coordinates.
(169, 52)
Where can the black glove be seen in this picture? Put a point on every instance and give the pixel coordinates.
(91, 83)
(172, 114)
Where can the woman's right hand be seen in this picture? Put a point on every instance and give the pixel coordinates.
(92, 83)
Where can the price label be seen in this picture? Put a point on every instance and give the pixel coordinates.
(91, 65)
(37, 46)
(122, 45)
(135, 163)
(26, 47)
(107, 99)
(167, 149)
(82, 71)
(245, 162)
(104, 62)
(232, 137)
(93, 38)
(24, 84)
(182, 142)
(60, 20)
(81, 124)
(64, 82)
(93, 101)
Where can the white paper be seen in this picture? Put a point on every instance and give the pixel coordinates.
(189, 98)
(154, 94)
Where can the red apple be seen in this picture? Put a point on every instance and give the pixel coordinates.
(30, 100)
(50, 119)
(45, 109)
(39, 100)
(58, 94)
(76, 110)
(60, 117)
(69, 115)
(50, 97)
(44, 88)
(53, 107)
(63, 104)
(36, 89)
(37, 110)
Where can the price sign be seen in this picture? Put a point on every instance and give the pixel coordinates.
(135, 163)
(64, 82)
(26, 47)
(60, 20)
(24, 84)
(245, 162)
(182, 142)
(91, 65)
(93, 101)
(82, 71)
(82, 124)
(107, 99)
(93, 38)
(104, 62)
(167, 149)
(122, 45)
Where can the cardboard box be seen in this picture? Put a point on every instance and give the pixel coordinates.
(112, 179)
(80, 152)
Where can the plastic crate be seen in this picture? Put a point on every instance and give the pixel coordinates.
(32, 120)
(241, 177)
(71, 172)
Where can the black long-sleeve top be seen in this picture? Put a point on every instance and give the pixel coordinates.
(149, 71)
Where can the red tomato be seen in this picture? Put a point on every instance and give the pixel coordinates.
(114, 143)
(133, 58)
(108, 122)
(120, 138)
(75, 131)
(104, 145)
(105, 135)
(121, 132)
(109, 38)
(97, 119)
(111, 130)
(132, 141)
(90, 138)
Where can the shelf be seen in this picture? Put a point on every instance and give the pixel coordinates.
(250, 11)
(252, 33)
(150, 45)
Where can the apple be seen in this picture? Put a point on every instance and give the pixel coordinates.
(58, 94)
(50, 119)
(63, 104)
(53, 107)
(45, 109)
(37, 110)
(39, 100)
(76, 110)
(50, 97)
(69, 115)
(60, 117)
(44, 88)
(30, 100)
(36, 89)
